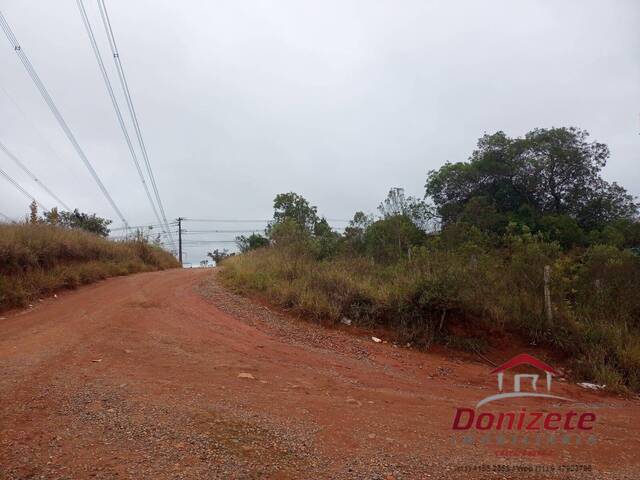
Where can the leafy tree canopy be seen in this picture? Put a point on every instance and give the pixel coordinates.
(552, 171)
(391, 238)
(415, 209)
(293, 207)
(253, 241)
(76, 219)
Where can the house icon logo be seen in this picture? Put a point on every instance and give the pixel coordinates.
(520, 379)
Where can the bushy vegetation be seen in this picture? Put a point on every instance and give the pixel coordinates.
(468, 264)
(76, 219)
(37, 259)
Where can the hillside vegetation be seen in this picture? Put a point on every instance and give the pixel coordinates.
(37, 259)
(468, 264)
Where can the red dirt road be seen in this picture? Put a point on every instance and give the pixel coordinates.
(166, 375)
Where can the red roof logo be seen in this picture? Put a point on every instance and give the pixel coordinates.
(519, 379)
(525, 359)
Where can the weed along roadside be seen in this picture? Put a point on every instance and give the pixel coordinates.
(37, 260)
(465, 269)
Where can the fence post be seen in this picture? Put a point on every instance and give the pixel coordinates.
(547, 293)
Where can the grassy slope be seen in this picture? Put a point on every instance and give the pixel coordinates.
(36, 260)
(463, 298)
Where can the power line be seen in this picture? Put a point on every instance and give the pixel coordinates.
(205, 242)
(220, 220)
(220, 231)
(56, 113)
(116, 107)
(32, 175)
(141, 226)
(6, 217)
(209, 220)
(32, 124)
(256, 230)
(24, 192)
(132, 111)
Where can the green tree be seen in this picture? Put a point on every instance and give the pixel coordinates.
(76, 219)
(482, 214)
(253, 241)
(391, 238)
(552, 171)
(296, 224)
(33, 212)
(289, 232)
(294, 207)
(52, 216)
(562, 229)
(353, 238)
(415, 209)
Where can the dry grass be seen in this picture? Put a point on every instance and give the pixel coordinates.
(37, 260)
(464, 296)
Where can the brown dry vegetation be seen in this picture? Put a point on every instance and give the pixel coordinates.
(39, 259)
(464, 297)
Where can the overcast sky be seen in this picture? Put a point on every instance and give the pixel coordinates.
(336, 100)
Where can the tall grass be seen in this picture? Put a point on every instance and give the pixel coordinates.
(464, 296)
(38, 259)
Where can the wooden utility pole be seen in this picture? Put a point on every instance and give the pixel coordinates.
(180, 239)
(547, 293)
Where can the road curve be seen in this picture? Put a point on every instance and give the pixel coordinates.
(166, 375)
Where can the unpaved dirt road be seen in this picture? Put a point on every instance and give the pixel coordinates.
(166, 375)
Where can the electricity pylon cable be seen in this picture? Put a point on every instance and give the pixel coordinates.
(23, 167)
(116, 107)
(132, 111)
(56, 113)
(26, 118)
(22, 190)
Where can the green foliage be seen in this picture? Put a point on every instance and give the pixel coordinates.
(52, 217)
(461, 234)
(291, 207)
(548, 171)
(481, 213)
(253, 241)
(622, 233)
(439, 292)
(289, 232)
(392, 238)
(353, 238)
(297, 226)
(398, 204)
(563, 229)
(76, 219)
(517, 206)
(33, 213)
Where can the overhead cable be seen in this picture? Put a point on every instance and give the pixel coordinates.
(116, 107)
(24, 192)
(56, 113)
(132, 111)
(10, 154)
